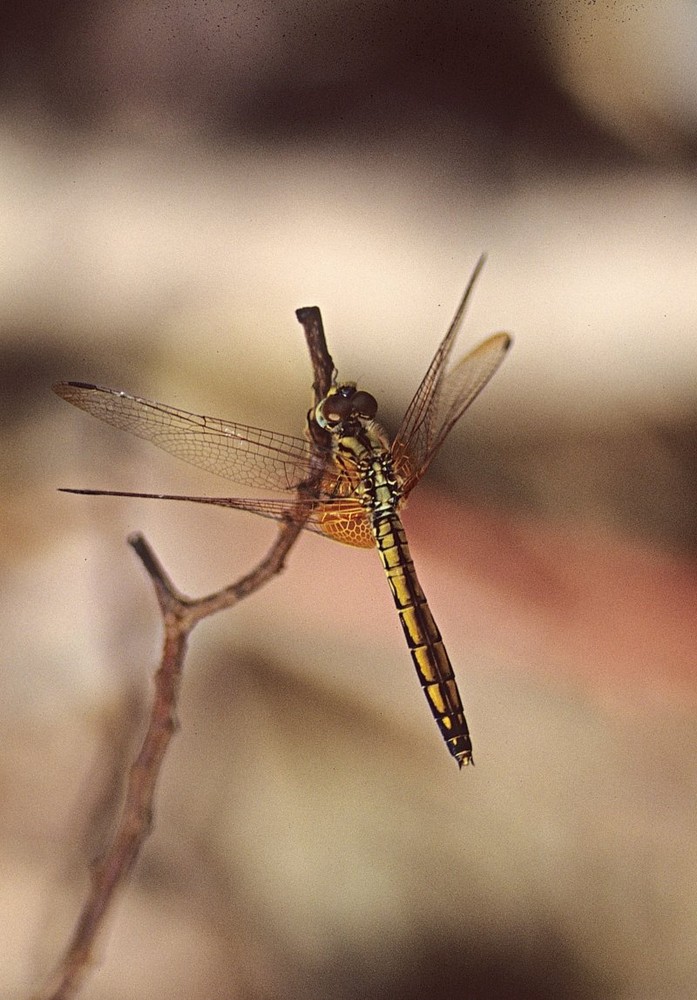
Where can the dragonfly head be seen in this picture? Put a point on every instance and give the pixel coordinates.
(344, 404)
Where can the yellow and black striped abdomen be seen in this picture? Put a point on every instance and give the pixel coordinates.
(425, 643)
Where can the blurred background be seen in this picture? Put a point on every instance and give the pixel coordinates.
(176, 179)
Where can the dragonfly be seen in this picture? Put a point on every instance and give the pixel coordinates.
(361, 486)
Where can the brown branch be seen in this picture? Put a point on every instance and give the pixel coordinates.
(311, 319)
(180, 615)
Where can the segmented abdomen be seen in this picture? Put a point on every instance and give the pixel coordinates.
(425, 643)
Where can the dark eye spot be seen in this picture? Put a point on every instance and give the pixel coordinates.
(337, 408)
(365, 404)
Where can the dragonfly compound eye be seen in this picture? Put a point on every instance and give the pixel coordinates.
(365, 404)
(339, 405)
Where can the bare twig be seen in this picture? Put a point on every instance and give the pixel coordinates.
(180, 615)
(321, 359)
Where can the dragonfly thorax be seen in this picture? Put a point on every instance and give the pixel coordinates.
(360, 447)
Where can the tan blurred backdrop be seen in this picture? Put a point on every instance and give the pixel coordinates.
(176, 179)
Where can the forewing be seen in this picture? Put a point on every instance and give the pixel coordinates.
(461, 387)
(246, 455)
(415, 438)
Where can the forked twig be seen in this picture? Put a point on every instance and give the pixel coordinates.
(180, 615)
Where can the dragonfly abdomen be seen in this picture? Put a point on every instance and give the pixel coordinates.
(423, 637)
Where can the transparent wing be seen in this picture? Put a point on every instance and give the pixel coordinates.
(340, 518)
(416, 432)
(443, 396)
(461, 386)
(247, 455)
